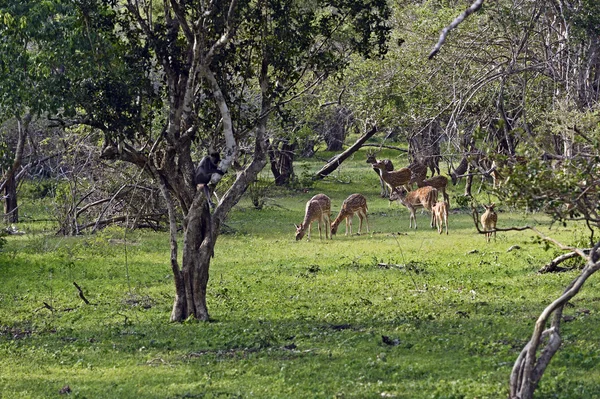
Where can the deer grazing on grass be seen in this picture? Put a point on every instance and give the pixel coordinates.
(355, 203)
(389, 166)
(489, 220)
(425, 197)
(440, 212)
(317, 208)
(439, 182)
(395, 178)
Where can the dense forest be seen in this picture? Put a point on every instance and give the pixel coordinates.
(108, 107)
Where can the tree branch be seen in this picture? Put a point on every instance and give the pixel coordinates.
(474, 7)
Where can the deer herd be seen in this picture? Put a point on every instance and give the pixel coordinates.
(397, 186)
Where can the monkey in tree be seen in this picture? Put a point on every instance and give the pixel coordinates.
(204, 171)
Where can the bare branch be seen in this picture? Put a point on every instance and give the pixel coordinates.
(474, 7)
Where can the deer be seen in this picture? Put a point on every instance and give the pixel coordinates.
(425, 197)
(418, 172)
(317, 208)
(439, 182)
(440, 212)
(488, 221)
(354, 204)
(395, 178)
(389, 166)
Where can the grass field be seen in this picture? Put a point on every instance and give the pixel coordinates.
(307, 319)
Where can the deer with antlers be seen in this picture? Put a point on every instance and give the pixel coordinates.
(317, 208)
(440, 212)
(354, 204)
(425, 197)
(488, 221)
(389, 166)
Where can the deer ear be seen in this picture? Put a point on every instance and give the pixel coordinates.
(296, 226)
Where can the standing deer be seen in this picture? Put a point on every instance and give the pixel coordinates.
(439, 182)
(395, 178)
(440, 211)
(317, 208)
(488, 221)
(355, 203)
(389, 166)
(418, 172)
(425, 197)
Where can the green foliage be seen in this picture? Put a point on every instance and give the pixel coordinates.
(292, 319)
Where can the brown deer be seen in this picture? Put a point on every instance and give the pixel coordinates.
(317, 208)
(488, 221)
(418, 172)
(439, 182)
(425, 197)
(395, 178)
(355, 203)
(440, 212)
(389, 166)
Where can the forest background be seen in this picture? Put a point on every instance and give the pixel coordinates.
(108, 106)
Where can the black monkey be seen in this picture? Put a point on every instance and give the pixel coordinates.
(204, 171)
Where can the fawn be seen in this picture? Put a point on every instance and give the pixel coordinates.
(424, 196)
(317, 208)
(439, 182)
(355, 203)
(389, 166)
(440, 211)
(395, 178)
(488, 221)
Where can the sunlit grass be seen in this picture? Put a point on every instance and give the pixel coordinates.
(293, 319)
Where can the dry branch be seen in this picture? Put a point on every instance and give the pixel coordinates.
(338, 159)
(474, 7)
(81, 295)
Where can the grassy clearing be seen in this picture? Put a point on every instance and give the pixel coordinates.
(292, 319)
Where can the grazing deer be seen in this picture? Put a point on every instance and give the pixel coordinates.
(389, 166)
(489, 220)
(355, 203)
(439, 182)
(424, 196)
(395, 178)
(440, 211)
(317, 208)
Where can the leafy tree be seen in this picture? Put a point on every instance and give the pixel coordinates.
(162, 82)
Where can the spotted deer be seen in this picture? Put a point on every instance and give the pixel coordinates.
(354, 204)
(418, 172)
(440, 212)
(488, 221)
(317, 208)
(389, 166)
(395, 178)
(425, 197)
(439, 182)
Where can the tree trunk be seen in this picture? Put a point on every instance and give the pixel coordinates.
(281, 160)
(11, 211)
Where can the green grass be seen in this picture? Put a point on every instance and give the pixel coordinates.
(293, 319)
